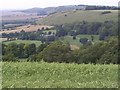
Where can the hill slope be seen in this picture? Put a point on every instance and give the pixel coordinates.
(78, 16)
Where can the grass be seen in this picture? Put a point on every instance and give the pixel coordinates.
(56, 75)
(37, 43)
(78, 16)
(69, 39)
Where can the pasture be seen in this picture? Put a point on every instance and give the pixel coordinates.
(58, 75)
(79, 16)
(71, 41)
(37, 43)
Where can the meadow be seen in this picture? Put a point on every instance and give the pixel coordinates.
(79, 16)
(37, 43)
(71, 41)
(58, 75)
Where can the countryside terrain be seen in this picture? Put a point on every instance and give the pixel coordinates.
(72, 46)
(79, 16)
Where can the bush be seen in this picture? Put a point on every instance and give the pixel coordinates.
(9, 57)
(106, 12)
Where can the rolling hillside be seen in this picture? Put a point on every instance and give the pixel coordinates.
(78, 16)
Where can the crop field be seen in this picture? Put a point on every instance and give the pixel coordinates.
(26, 28)
(37, 43)
(78, 16)
(69, 39)
(58, 75)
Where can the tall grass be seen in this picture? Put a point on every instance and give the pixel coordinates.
(56, 75)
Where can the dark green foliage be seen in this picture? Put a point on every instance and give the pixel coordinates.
(41, 47)
(55, 52)
(9, 57)
(106, 29)
(106, 12)
(83, 40)
(74, 37)
(103, 53)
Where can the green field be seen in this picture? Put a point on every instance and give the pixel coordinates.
(69, 39)
(37, 43)
(78, 16)
(56, 75)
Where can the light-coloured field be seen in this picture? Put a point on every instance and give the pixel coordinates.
(27, 28)
(3, 39)
(9, 15)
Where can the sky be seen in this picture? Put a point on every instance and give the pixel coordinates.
(25, 4)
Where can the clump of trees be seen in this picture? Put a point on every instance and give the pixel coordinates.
(104, 30)
(13, 51)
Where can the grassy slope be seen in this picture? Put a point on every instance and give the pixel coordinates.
(69, 39)
(78, 16)
(24, 41)
(54, 75)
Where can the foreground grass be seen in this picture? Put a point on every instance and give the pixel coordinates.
(54, 75)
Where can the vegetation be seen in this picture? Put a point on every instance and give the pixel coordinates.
(71, 41)
(37, 43)
(56, 75)
(79, 16)
(44, 58)
(104, 52)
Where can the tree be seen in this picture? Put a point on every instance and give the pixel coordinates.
(92, 38)
(83, 40)
(9, 57)
(41, 47)
(55, 52)
(74, 37)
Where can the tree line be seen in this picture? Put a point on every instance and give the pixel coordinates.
(104, 30)
(105, 52)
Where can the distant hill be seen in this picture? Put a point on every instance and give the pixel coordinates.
(80, 15)
(51, 10)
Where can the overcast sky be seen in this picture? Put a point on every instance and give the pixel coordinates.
(24, 4)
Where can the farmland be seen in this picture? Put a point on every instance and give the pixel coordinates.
(65, 49)
(37, 43)
(71, 41)
(55, 75)
(78, 16)
(11, 15)
(26, 28)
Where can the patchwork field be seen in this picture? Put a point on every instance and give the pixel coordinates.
(13, 15)
(27, 28)
(54, 75)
